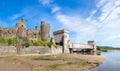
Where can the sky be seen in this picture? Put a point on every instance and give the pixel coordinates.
(97, 20)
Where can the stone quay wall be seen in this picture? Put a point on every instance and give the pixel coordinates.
(31, 49)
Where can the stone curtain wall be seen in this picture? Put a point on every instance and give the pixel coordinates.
(56, 50)
(8, 50)
(31, 49)
(35, 49)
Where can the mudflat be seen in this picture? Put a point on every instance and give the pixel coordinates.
(56, 62)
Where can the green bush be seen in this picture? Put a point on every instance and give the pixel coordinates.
(39, 42)
(49, 44)
(3, 40)
(36, 43)
(26, 44)
(9, 41)
(12, 41)
(98, 48)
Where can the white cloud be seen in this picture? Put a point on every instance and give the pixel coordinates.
(50, 4)
(45, 2)
(92, 13)
(103, 28)
(77, 25)
(101, 3)
(55, 9)
(109, 22)
(107, 10)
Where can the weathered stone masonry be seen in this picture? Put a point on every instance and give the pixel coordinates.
(21, 31)
(61, 37)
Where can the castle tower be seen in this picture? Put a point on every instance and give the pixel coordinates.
(45, 31)
(21, 28)
(62, 38)
(22, 23)
(92, 43)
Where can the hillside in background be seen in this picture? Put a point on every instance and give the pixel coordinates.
(107, 48)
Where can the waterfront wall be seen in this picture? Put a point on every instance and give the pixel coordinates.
(30, 49)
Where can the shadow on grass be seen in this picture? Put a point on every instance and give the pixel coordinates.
(47, 59)
(52, 58)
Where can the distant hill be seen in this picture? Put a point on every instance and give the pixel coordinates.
(107, 48)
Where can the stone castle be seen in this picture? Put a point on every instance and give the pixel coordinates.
(26, 34)
(60, 37)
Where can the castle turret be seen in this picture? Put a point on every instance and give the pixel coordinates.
(45, 31)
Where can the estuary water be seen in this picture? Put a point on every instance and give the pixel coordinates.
(112, 62)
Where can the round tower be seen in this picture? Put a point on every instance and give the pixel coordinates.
(45, 31)
(21, 28)
(22, 23)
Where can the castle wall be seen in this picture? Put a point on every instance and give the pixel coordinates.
(31, 49)
(22, 33)
(7, 32)
(32, 34)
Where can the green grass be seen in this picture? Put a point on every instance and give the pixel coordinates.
(81, 63)
(10, 41)
(3, 40)
(38, 42)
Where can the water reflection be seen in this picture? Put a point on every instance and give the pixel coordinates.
(112, 62)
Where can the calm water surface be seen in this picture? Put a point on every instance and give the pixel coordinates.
(112, 62)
